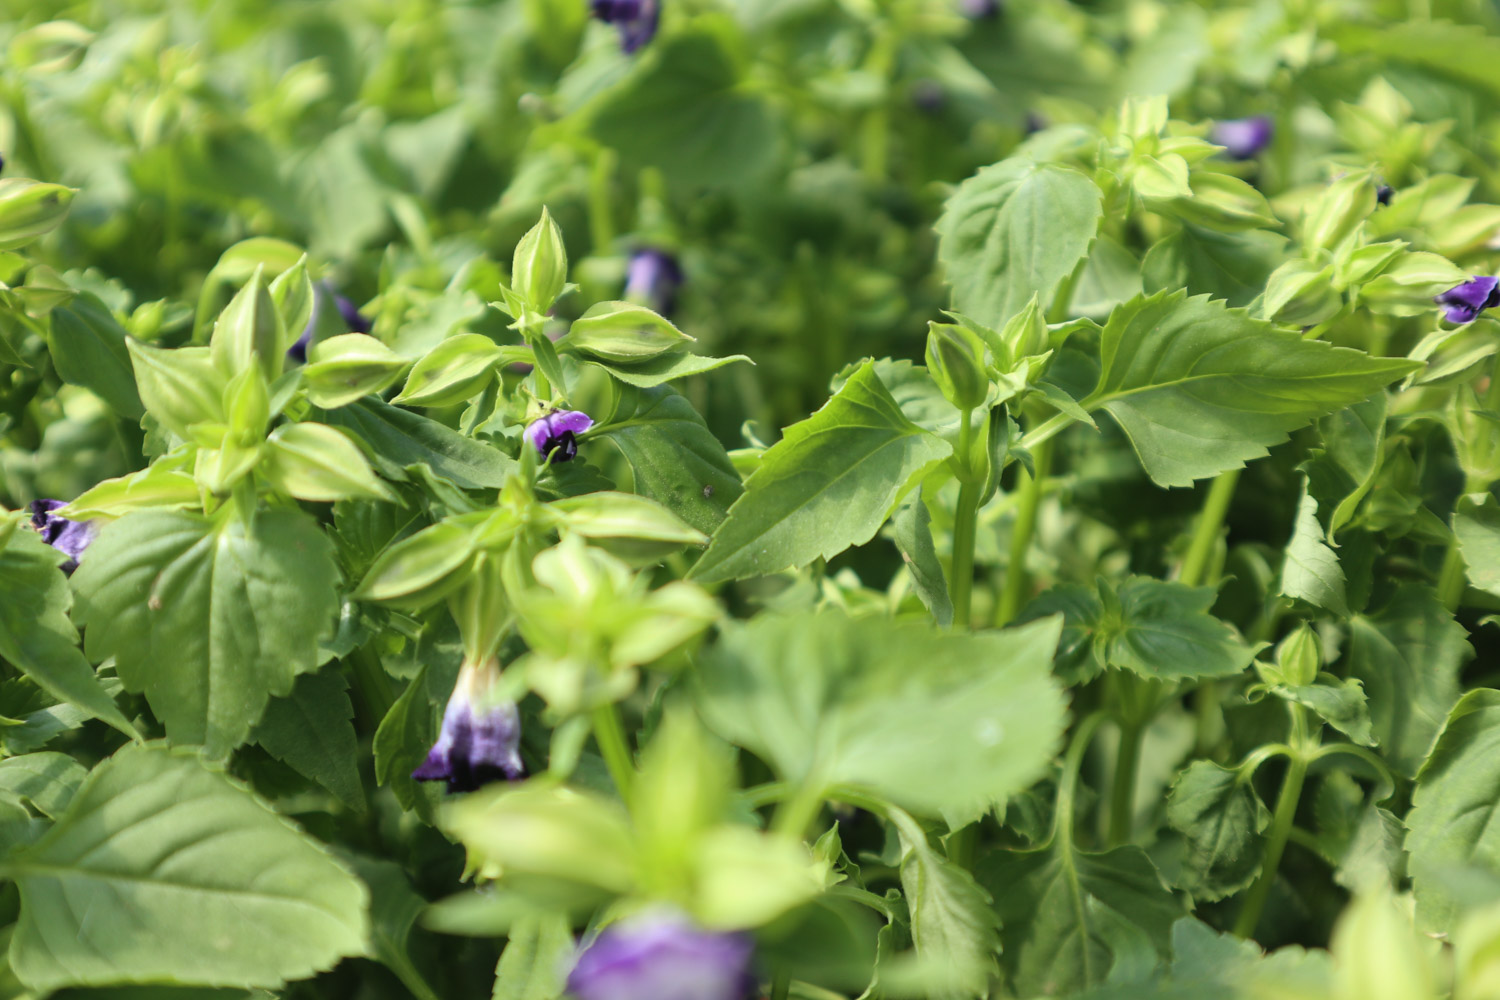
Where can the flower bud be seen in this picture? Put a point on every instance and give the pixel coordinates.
(622, 332)
(663, 956)
(955, 359)
(539, 269)
(30, 209)
(1301, 294)
(1299, 657)
(349, 367)
(67, 536)
(1337, 212)
(481, 734)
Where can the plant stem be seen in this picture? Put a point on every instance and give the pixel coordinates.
(781, 986)
(797, 813)
(965, 520)
(1013, 595)
(1194, 571)
(1046, 431)
(610, 736)
(1452, 577)
(601, 221)
(1281, 825)
(961, 845)
(1067, 785)
(1122, 793)
(372, 682)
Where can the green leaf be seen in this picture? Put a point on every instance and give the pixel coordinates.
(1229, 266)
(666, 368)
(178, 387)
(1476, 522)
(35, 633)
(1014, 230)
(911, 530)
(676, 459)
(1341, 705)
(312, 732)
(316, 462)
(1446, 48)
(394, 909)
(208, 619)
(401, 743)
(829, 483)
(534, 964)
(399, 439)
(829, 700)
(1452, 820)
(1200, 388)
(683, 110)
(1220, 817)
(1341, 473)
(1408, 655)
(1311, 570)
(88, 349)
(1072, 919)
(161, 870)
(452, 372)
(46, 780)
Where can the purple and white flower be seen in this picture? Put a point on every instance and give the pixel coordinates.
(481, 734)
(978, 10)
(555, 435)
(348, 311)
(636, 19)
(1243, 138)
(1465, 302)
(652, 278)
(662, 955)
(63, 534)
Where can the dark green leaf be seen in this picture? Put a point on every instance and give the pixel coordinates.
(401, 744)
(911, 530)
(1229, 266)
(1476, 522)
(45, 780)
(398, 438)
(311, 730)
(88, 349)
(1220, 817)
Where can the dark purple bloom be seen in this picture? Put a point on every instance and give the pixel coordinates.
(71, 537)
(1242, 138)
(662, 956)
(353, 320)
(928, 96)
(1470, 299)
(978, 10)
(1383, 194)
(1034, 123)
(653, 277)
(2, 162)
(636, 20)
(555, 435)
(481, 735)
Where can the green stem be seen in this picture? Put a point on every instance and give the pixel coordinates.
(1452, 578)
(961, 843)
(1210, 522)
(1122, 792)
(1013, 594)
(372, 682)
(610, 736)
(1046, 431)
(965, 522)
(797, 813)
(601, 221)
(1281, 826)
(1067, 785)
(781, 986)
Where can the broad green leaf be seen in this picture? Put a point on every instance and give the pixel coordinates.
(178, 387)
(312, 732)
(1014, 230)
(829, 483)
(1072, 919)
(534, 964)
(401, 743)
(1311, 570)
(683, 110)
(208, 618)
(676, 459)
(163, 871)
(1476, 522)
(1229, 266)
(35, 633)
(1341, 705)
(1341, 473)
(829, 700)
(1408, 655)
(1200, 388)
(1221, 818)
(398, 439)
(911, 530)
(666, 368)
(88, 349)
(1449, 49)
(45, 780)
(1452, 820)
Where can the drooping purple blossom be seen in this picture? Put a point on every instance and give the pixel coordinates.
(652, 277)
(1465, 302)
(1035, 123)
(63, 534)
(1243, 138)
(979, 10)
(663, 956)
(928, 96)
(348, 311)
(635, 19)
(555, 435)
(481, 734)
(1383, 194)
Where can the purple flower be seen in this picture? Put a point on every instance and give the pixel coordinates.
(928, 96)
(353, 320)
(663, 956)
(1242, 138)
(636, 20)
(62, 534)
(1034, 123)
(1383, 194)
(481, 735)
(554, 435)
(978, 10)
(1470, 299)
(652, 277)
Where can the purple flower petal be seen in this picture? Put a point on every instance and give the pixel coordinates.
(978, 10)
(480, 738)
(71, 537)
(636, 20)
(653, 277)
(1243, 138)
(663, 956)
(555, 434)
(1465, 302)
(353, 319)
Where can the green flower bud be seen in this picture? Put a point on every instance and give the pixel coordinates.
(348, 367)
(1299, 657)
(30, 209)
(539, 270)
(1338, 211)
(1300, 293)
(622, 332)
(955, 359)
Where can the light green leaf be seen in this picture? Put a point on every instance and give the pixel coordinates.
(1408, 655)
(161, 870)
(88, 349)
(1447, 48)
(666, 368)
(46, 780)
(534, 964)
(312, 732)
(1341, 705)
(1229, 266)
(399, 438)
(317, 462)
(1476, 522)
(829, 700)
(1014, 230)
(1200, 388)
(1311, 570)
(1220, 817)
(829, 483)
(911, 530)
(208, 619)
